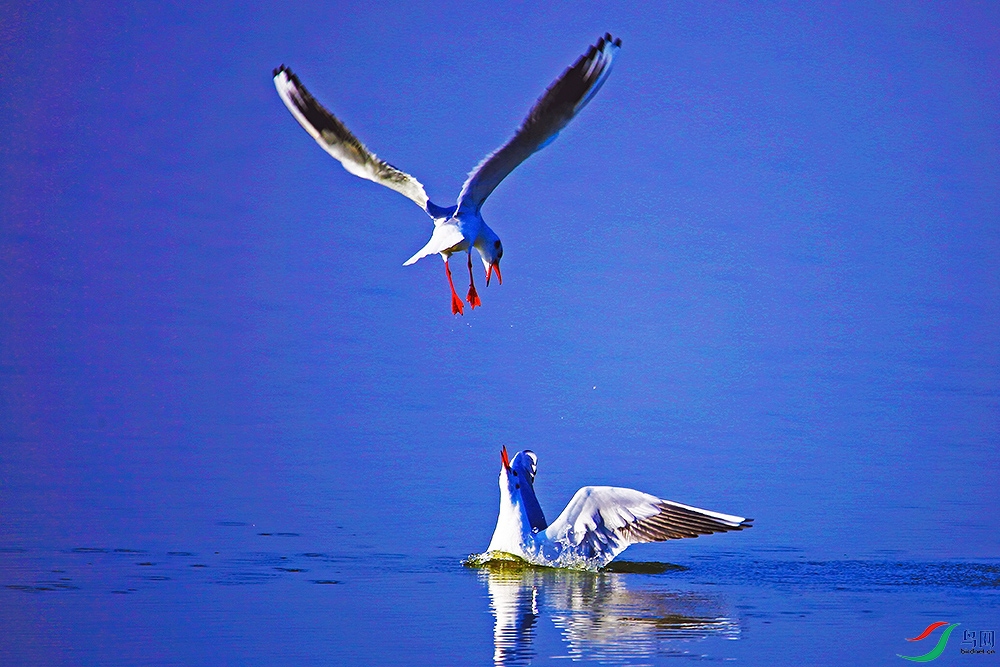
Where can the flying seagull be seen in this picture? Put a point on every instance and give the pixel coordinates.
(459, 228)
(598, 524)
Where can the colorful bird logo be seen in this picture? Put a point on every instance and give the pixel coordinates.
(935, 652)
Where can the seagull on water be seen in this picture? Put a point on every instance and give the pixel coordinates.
(459, 228)
(598, 524)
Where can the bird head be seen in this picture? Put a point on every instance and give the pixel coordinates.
(517, 487)
(491, 250)
(517, 472)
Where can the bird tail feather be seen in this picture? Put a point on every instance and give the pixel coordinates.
(445, 237)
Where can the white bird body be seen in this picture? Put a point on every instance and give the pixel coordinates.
(458, 228)
(598, 523)
(453, 235)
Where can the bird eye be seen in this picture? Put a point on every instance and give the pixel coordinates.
(496, 244)
(515, 472)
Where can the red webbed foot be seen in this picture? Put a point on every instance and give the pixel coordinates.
(457, 307)
(473, 297)
(456, 303)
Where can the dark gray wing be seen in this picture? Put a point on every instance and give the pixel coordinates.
(675, 521)
(553, 111)
(338, 141)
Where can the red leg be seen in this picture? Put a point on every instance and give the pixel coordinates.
(473, 297)
(456, 304)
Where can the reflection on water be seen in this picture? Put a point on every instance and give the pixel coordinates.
(600, 616)
(235, 604)
(514, 603)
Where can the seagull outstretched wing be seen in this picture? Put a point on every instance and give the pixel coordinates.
(338, 141)
(557, 107)
(604, 520)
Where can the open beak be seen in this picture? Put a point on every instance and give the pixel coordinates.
(503, 458)
(489, 272)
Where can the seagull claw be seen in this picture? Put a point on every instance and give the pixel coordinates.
(457, 308)
(456, 303)
(473, 297)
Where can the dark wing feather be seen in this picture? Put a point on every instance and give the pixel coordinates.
(676, 521)
(334, 137)
(553, 111)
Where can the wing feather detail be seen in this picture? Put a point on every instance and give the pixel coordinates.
(552, 112)
(676, 521)
(601, 521)
(334, 137)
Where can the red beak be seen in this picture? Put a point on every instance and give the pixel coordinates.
(503, 458)
(489, 272)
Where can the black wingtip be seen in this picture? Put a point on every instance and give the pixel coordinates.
(279, 70)
(608, 39)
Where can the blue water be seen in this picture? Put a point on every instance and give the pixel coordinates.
(267, 602)
(758, 274)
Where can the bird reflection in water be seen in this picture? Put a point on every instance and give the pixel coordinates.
(597, 614)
